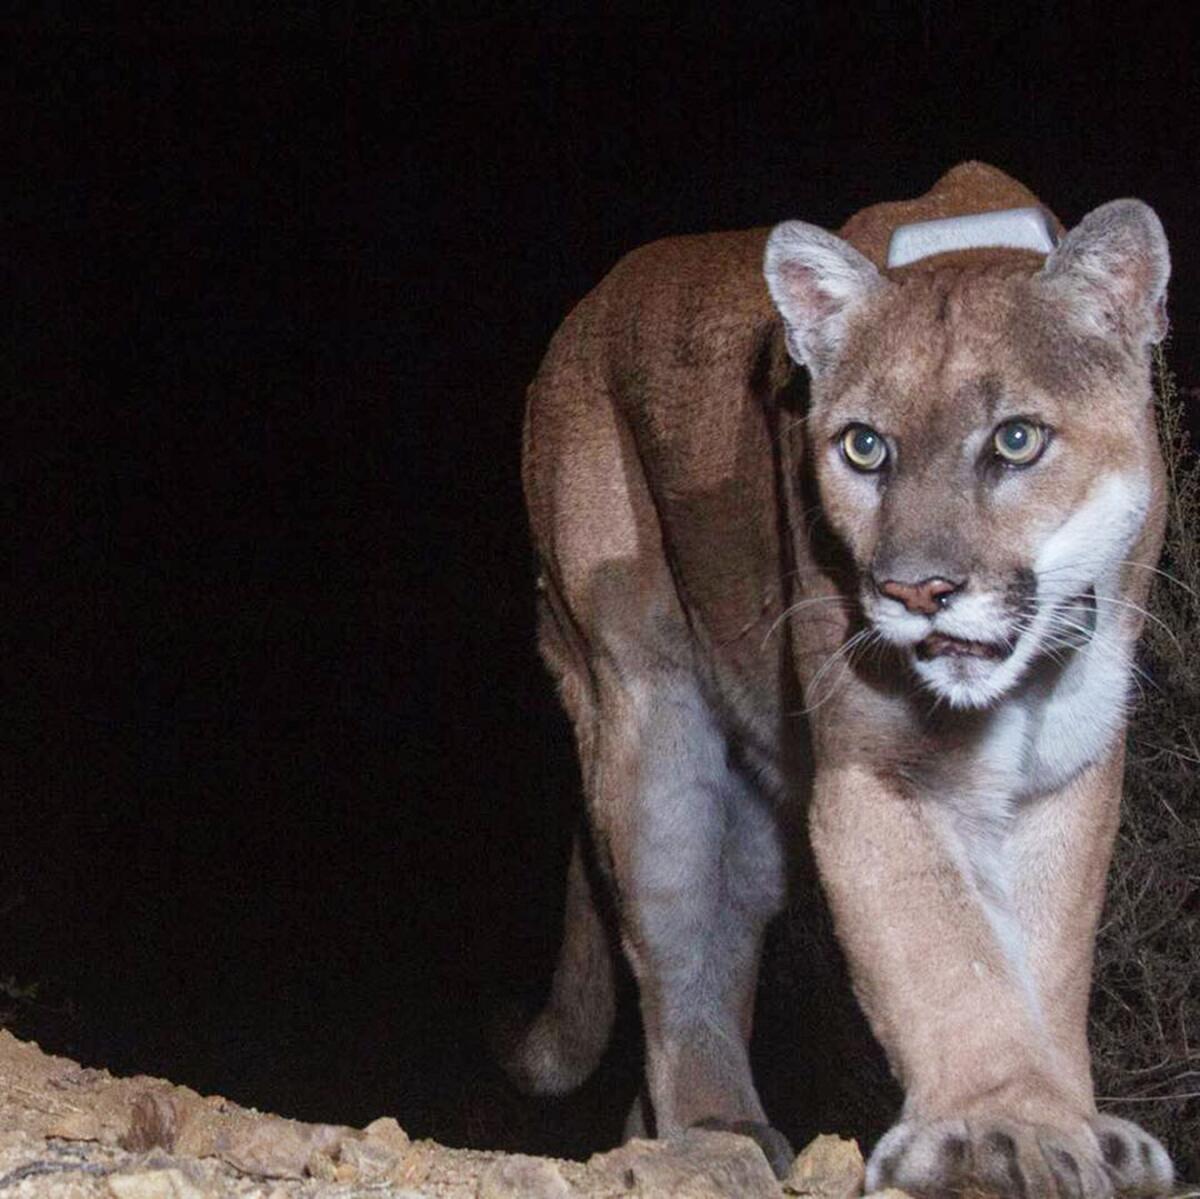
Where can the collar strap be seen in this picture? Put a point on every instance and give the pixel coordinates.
(1012, 228)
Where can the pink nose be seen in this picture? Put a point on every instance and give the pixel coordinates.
(925, 598)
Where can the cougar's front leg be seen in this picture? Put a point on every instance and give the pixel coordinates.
(697, 868)
(1060, 852)
(971, 949)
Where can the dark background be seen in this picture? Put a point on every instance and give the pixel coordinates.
(286, 794)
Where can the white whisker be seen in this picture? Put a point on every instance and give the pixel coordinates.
(844, 654)
(1166, 574)
(1110, 599)
(792, 609)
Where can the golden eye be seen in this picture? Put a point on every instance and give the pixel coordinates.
(863, 448)
(1019, 442)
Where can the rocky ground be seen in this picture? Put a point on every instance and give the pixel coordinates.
(69, 1132)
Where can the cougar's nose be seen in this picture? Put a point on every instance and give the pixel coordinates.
(924, 598)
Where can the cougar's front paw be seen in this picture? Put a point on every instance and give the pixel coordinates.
(771, 1141)
(1135, 1160)
(999, 1157)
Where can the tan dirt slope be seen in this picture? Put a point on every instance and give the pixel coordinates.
(68, 1132)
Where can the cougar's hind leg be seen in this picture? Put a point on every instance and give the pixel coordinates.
(697, 869)
(670, 820)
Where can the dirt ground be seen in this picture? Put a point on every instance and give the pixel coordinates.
(69, 1132)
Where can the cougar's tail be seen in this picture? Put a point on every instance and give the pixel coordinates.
(560, 1047)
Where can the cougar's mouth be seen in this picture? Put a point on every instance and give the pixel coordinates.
(938, 645)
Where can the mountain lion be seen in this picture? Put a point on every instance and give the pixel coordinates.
(904, 597)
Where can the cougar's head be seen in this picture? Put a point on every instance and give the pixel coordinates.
(982, 432)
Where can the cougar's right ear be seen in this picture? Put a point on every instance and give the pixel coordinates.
(817, 282)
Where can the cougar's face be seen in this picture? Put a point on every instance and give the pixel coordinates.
(984, 438)
(990, 473)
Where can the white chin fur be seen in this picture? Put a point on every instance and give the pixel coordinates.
(964, 682)
(980, 682)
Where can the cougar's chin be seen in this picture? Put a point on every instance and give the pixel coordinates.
(966, 673)
(964, 662)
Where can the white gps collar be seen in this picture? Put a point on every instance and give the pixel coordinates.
(1013, 228)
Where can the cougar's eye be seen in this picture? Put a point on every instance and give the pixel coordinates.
(863, 448)
(1019, 442)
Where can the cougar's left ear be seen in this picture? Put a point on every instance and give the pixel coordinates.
(817, 282)
(1112, 271)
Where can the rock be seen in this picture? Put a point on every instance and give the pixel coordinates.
(77, 1125)
(388, 1133)
(698, 1164)
(154, 1184)
(890, 1193)
(370, 1160)
(827, 1168)
(521, 1177)
(273, 1147)
(154, 1122)
(322, 1167)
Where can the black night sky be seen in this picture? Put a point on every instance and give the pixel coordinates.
(287, 795)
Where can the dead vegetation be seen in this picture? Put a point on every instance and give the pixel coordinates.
(1146, 996)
